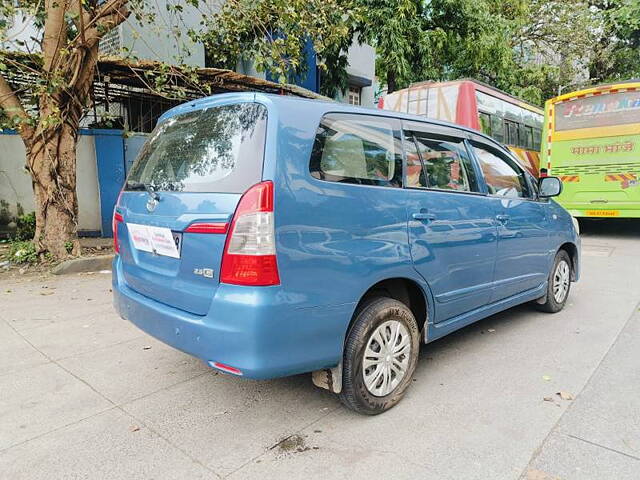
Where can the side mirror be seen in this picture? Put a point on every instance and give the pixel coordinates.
(549, 187)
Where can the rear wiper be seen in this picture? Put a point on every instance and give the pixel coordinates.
(143, 186)
(136, 186)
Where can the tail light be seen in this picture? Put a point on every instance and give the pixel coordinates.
(249, 256)
(117, 218)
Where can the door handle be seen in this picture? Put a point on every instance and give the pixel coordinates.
(502, 218)
(424, 216)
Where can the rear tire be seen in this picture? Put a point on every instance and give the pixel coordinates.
(380, 356)
(559, 284)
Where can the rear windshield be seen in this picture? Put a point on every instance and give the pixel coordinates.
(219, 149)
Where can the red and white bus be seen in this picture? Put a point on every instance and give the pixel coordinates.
(471, 103)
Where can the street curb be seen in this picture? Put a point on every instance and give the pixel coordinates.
(84, 264)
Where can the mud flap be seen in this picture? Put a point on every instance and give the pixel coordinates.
(329, 378)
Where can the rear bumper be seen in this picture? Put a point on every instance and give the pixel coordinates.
(603, 210)
(257, 330)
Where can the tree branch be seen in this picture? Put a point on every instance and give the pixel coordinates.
(15, 111)
(55, 32)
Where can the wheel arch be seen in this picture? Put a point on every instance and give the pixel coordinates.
(572, 251)
(405, 290)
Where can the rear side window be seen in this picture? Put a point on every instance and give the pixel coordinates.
(447, 163)
(358, 149)
(218, 149)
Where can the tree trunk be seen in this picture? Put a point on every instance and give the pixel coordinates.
(391, 81)
(52, 162)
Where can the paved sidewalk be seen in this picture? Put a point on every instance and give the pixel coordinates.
(84, 394)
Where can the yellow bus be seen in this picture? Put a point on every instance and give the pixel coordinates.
(591, 140)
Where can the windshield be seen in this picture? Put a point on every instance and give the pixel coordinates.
(218, 149)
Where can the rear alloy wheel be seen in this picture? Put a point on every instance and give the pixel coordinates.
(559, 284)
(380, 356)
(386, 358)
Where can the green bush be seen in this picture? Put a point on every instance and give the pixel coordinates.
(22, 252)
(26, 226)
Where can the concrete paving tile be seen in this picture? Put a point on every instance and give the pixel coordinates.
(133, 369)
(606, 412)
(109, 445)
(225, 421)
(41, 399)
(28, 320)
(87, 331)
(476, 409)
(314, 459)
(16, 353)
(568, 458)
(31, 305)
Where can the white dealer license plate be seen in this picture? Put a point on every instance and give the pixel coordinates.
(158, 240)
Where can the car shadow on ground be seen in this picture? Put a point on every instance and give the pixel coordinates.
(467, 337)
(509, 318)
(610, 227)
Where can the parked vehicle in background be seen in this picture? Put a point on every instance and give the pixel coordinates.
(271, 236)
(592, 142)
(473, 104)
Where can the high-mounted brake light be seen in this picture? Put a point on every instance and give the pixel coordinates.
(249, 256)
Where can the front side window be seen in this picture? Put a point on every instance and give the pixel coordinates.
(501, 174)
(447, 163)
(358, 149)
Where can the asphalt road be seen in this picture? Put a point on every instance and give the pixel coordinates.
(84, 394)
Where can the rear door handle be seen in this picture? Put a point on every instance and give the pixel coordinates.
(424, 216)
(502, 218)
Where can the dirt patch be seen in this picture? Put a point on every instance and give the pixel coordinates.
(292, 444)
(90, 247)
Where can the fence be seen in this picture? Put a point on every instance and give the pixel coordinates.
(103, 158)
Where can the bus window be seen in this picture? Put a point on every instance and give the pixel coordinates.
(529, 138)
(485, 123)
(522, 136)
(497, 128)
(510, 133)
(537, 139)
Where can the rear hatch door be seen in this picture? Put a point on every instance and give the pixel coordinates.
(179, 199)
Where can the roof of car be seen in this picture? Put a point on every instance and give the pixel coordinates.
(321, 105)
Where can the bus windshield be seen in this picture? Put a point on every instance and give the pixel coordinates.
(621, 108)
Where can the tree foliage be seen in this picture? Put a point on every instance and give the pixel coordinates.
(48, 114)
(616, 51)
(273, 34)
(531, 48)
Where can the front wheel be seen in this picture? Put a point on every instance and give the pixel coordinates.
(559, 284)
(380, 356)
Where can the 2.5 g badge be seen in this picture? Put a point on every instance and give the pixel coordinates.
(204, 272)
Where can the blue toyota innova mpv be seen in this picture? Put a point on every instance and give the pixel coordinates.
(271, 235)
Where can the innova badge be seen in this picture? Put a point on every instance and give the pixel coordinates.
(152, 203)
